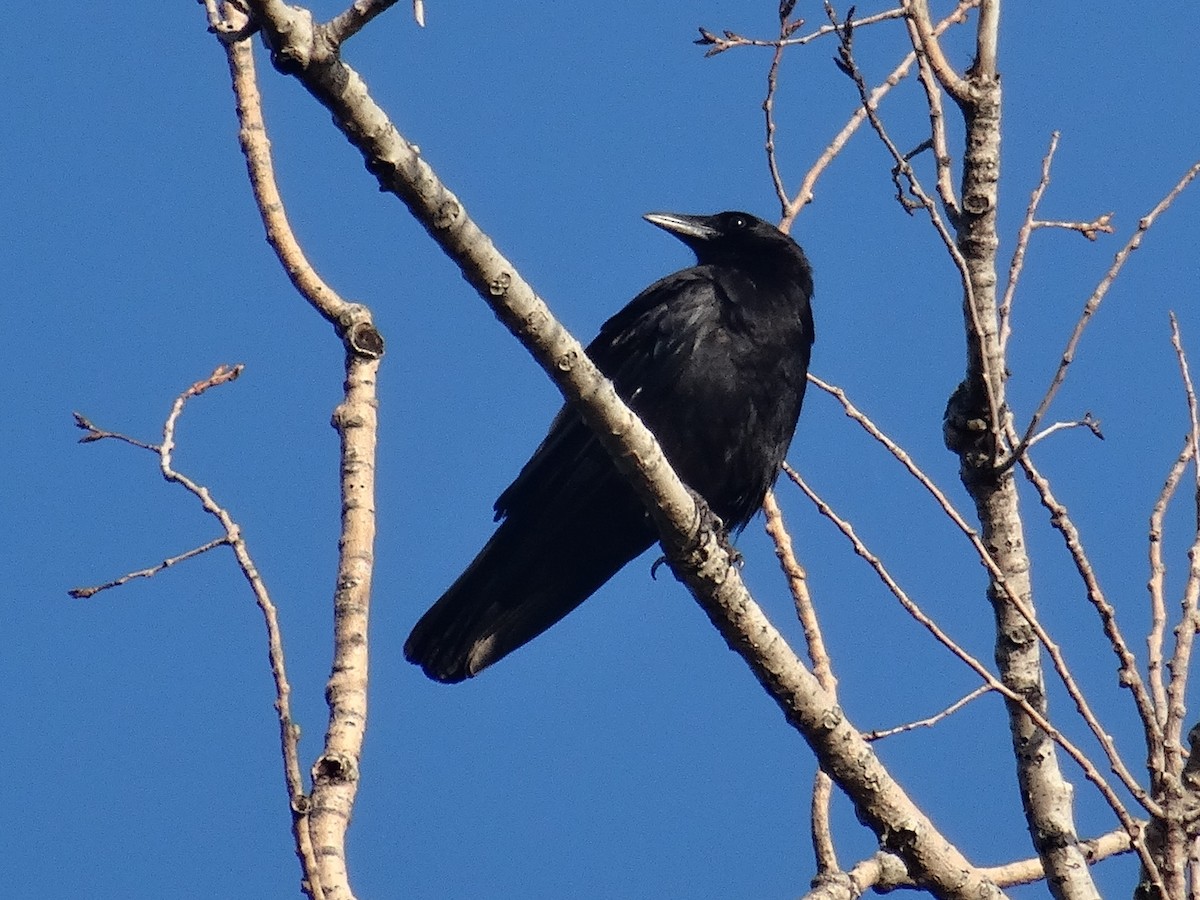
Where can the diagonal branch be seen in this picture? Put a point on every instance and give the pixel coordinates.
(695, 551)
(1098, 295)
(320, 820)
(805, 194)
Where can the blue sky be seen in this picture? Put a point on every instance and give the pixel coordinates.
(626, 753)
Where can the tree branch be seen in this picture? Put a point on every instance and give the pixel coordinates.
(697, 556)
(320, 821)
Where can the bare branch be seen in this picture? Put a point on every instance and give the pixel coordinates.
(728, 40)
(1004, 311)
(289, 731)
(82, 593)
(768, 107)
(99, 434)
(1035, 716)
(822, 832)
(798, 585)
(885, 872)
(352, 20)
(937, 127)
(252, 135)
(1090, 230)
(931, 720)
(1185, 632)
(1088, 422)
(1093, 302)
(926, 44)
(804, 195)
(1129, 674)
(1158, 608)
(980, 329)
(320, 822)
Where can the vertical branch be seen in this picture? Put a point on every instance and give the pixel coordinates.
(974, 432)
(1158, 606)
(1185, 632)
(323, 817)
(822, 831)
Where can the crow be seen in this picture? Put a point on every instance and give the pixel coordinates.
(714, 359)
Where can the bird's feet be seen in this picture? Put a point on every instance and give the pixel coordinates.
(707, 522)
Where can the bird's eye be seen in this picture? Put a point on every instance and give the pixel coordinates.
(739, 222)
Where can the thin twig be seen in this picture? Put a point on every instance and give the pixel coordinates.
(923, 201)
(1129, 674)
(927, 44)
(805, 194)
(768, 107)
(99, 434)
(289, 732)
(82, 593)
(1093, 303)
(931, 720)
(821, 830)
(1128, 822)
(354, 18)
(728, 40)
(798, 585)
(1090, 230)
(937, 128)
(1088, 422)
(1004, 311)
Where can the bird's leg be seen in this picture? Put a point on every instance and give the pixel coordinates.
(707, 522)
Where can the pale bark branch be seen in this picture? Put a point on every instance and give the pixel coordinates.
(1004, 311)
(83, 593)
(355, 17)
(1097, 296)
(975, 431)
(884, 872)
(1129, 675)
(1189, 617)
(320, 820)
(821, 829)
(696, 552)
(1158, 607)
(804, 194)
(927, 45)
(289, 732)
(928, 722)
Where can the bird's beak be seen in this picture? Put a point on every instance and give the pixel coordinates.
(694, 227)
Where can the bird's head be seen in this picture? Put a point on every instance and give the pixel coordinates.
(729, 237)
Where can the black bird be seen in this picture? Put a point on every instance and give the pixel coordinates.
(714, 360)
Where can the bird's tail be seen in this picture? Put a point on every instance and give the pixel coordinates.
(513, 591)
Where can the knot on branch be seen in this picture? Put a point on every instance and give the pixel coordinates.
(334, 768)
(965, 429)
(291, 43)
(363, 339)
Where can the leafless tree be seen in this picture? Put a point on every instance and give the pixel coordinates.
(955, 189)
